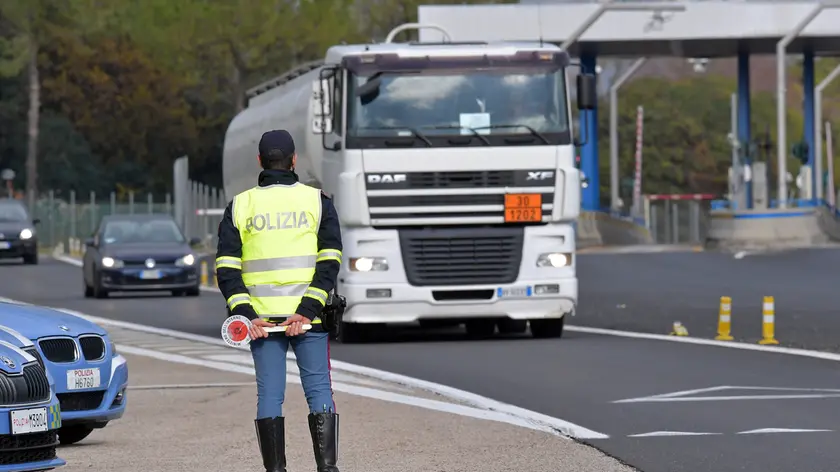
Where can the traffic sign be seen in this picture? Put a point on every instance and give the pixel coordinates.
(7, 174)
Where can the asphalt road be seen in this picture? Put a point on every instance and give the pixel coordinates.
(648, 292)
(580, 377)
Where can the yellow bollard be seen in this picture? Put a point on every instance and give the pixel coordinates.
(725, 320)
(768, 322)
(203, 273)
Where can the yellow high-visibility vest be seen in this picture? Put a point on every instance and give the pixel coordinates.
(278, 225)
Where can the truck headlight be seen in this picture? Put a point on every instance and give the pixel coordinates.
(367, 264)
(26, 233)
(554, 259)
(111, 263)
(185, 261)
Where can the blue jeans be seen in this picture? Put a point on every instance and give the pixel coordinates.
(312, 350)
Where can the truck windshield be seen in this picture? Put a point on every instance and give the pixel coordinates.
(482, 106)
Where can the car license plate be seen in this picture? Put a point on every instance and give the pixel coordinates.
(150, 274)
(78, 379)
(32, 420)
(514, 292)
(5, 245)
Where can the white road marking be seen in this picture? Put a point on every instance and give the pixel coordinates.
(479, 406)
(725, 398)
(683, 396)
(740, 254)
(670, 433)
(826, 356)
(785, 430)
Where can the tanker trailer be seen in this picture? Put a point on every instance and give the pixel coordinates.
(452, 169)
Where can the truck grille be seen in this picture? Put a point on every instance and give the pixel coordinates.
(59, 350)
(31, 386)
(447, 198)
(93, 347)
(462, 256)
(80, 401)
(26, 448)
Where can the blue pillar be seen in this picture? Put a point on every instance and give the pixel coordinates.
(744, 130)
(808, 110)
(589, 151)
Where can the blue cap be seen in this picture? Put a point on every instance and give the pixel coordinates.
(277, 140)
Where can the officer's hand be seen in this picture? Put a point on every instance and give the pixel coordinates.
(294, 324)
(256, 330)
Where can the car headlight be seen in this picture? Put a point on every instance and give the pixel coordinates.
(554, 259)
(185, 261)
(26, 233)
(111, 263)
(367, 264)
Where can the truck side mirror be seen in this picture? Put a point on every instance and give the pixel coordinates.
(587, 96)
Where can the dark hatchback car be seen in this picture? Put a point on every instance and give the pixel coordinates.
(130, 253)
(17, 232)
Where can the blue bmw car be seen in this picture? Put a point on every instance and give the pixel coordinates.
(90, 377)
(29, 413)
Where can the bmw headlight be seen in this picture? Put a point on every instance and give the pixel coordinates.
(26, 233)
(554, 259)
(111, 263)
(368, 264)
(185, 261)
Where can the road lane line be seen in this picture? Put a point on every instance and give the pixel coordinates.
(496, 410)
(785, 430)
(392, 397)
(827, 356)
(790, 351)
(654, 434)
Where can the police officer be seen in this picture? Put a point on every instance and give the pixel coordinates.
(278, 259)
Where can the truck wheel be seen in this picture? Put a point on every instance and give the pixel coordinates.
(480, 328)
(73, 434)
(548, 328)
(509, 326)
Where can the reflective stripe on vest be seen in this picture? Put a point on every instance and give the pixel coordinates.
(278, 225)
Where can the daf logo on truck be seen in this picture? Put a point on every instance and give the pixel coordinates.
(540, 175)
(385, 178)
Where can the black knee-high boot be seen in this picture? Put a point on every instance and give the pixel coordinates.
(324, 430)
(271, 435)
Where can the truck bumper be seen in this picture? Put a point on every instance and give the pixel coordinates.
(408, 303)
(386, 296)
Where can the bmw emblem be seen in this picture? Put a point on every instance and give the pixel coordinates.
(64, 328)
(9, 363)
(150, 263)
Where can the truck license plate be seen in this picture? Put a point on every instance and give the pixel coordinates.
(78, 379)
(514, 292)
(32, 420)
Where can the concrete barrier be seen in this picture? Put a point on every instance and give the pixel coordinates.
(792, 227)
(602, 229)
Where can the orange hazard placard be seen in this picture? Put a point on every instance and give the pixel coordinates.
(523, 207)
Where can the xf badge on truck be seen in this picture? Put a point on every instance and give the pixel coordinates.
(385, 178)
(540, 175)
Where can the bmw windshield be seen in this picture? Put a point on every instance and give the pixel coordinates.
(496, 105)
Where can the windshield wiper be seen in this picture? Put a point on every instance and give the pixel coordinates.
(532, 130)
(471, 130)
(417, 134)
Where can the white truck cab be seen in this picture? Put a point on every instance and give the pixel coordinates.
(452, 169)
